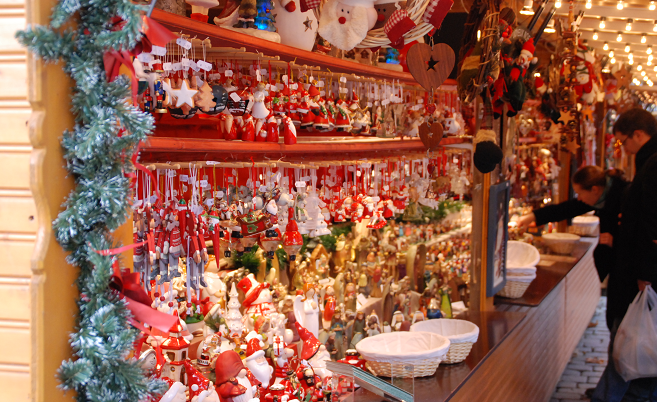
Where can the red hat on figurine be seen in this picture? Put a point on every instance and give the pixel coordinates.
(196, 382)
(528, 48)
(313, 91)
(540, 85)
(254, 349)
(251, 288)
(310, 343)
(228, 366)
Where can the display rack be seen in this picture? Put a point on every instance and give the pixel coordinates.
(227, 38)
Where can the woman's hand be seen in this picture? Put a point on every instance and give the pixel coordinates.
(526, 220)
(607, 239)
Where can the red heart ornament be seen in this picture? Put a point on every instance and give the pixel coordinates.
(430, 67)
(431, 135)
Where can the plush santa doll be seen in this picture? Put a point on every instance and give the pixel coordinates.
(313, 352)
(255, 360)
(233, 383)
(258, 300)
(344, 23)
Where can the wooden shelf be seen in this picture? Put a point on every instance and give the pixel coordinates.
(221, 37)
(163, 149)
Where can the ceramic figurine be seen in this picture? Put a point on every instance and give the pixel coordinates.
(306, 309)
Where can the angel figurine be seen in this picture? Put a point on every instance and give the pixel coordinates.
(306, 309)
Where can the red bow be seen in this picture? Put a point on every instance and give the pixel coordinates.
(139, 302)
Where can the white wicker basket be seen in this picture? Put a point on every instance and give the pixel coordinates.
(516, 286)
(561, 243)
(387, 354)
(461, 334)
(521, 255)
(585, 225)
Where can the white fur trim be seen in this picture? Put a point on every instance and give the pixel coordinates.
(343, 36)
(485, 135)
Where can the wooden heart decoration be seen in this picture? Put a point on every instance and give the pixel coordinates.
(430, 68)
(431, 135)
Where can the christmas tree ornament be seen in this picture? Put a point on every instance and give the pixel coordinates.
(344, 23)
(204, 98)
(397, 26)
(259, 110)
(292, 240)
(200, 8)
(289, 131)
(270, 240)
(297, 27)
(184, 95)
(430, 66)
(431, 134)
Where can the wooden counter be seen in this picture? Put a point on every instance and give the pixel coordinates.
(524, 345)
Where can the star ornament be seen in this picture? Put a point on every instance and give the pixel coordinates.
(184, 95)
(622, 77)
(431, 64)
(566, 116)
(308, 23)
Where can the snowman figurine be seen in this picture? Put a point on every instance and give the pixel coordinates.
(296, 28)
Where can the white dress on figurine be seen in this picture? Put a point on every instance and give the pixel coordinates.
(307, 312)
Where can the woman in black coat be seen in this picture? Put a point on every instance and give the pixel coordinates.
(597, 191)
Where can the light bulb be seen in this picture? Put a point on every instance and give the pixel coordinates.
(606, 46)
(649, 63)
(649, 57)
(612, 61)
(630, 62)
(645, 78)
(611, 54)
(557, 4)
(643, 73)
(654, 28)
(655, 69)
(649, 83)
(619, 37)
(652, 7)
(649, 50)
(639, 68)
(537, 74)
(478, 35)
(602, 22)
(588, 4)
(627, 47)
(630, 55)
(619, 5)
(643, 38)
(628, 26)
(595, 35)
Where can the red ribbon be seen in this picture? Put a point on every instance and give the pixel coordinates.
(113, 60)
(138, 301)
(143, 168)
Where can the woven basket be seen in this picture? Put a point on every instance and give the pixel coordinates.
(586, 225)
(561, 243)
(462, 335)
(377, 37)
(403, 354)
(513, 289)
(420, 368)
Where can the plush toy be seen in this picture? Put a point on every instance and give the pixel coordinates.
(200, 8)
(344, 23)
(511, 86)
(487, 153)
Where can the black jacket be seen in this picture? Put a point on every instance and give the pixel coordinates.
(635, 248)
(603, 255)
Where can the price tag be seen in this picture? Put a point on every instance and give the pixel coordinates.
(305, 178)
(177, 66)
(320, 84)
(263, 71)
(262, 189)
(185, 44)
(228, 73)
(171, 173)
(230, 180)
(194, 66)
(153, 199)
(385, 102)
(300, 184)
(322, 93)
(294, 86)
(184, 188)
(311, 78)
(267, 87)
(218, 194)
(285, 78)
(386, 187)
(209, 202)
(215, 76)
(343, 80)
(167, 66)
(137, 204)
(145, 57)
(204, 183)
(204, 65)
(235, 97)
(343, 90)
(158, 50)
(258, 76)
(184, 178)
(175, 193)
(185, 61)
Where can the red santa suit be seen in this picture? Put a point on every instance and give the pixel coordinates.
(258, 300)
(248, 128)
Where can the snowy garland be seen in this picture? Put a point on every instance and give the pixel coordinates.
(98, 152)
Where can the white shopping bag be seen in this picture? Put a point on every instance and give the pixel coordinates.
(635, 345)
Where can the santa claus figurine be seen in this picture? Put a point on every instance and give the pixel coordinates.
(314, 353)
(255, 359)
(233, 383)
(258, 300)
(282, 354)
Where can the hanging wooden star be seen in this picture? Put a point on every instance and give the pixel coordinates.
(572, 145)
(587, 113)
(565, 116)
(308, 23)
(184, 94)
(622, 77)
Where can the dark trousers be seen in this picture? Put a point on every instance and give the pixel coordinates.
(612, 387)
